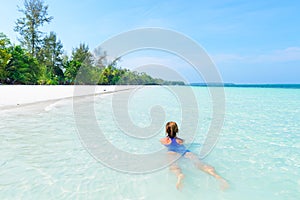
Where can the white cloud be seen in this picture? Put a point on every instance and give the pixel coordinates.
(226, 58)
(159, 66)
(288, 54)
(282, 55)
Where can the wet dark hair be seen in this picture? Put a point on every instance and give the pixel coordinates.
(171, 129)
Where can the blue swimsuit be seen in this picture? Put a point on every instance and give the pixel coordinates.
(175, 147)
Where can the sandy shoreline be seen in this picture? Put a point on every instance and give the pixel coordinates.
(16, 95)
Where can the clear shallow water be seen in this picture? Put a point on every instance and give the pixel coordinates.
(41, 155)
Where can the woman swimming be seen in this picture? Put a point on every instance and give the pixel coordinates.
(175, 146)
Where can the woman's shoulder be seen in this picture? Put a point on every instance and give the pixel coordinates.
(179, 140)
(165, 140)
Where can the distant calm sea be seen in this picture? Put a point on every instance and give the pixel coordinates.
(258, 152)
(292, 86)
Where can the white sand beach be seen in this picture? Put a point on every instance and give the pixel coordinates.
(16, 95)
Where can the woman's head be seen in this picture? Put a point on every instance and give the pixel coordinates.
(171, 129)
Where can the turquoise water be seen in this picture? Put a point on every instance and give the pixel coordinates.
(258, 151)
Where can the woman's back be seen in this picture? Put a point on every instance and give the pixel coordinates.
(175, 145)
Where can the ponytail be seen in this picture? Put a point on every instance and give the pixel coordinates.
(171, 129)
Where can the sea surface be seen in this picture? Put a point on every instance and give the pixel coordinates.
(43, 156)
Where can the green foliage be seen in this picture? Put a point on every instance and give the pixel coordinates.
(51, 56)
(132, 78)
(35, 15)
(110, 75)
(22, 68)
(5, 56)
(80, 67)
(17, 66)
(87, 75)
(82, 54)
(72, 68)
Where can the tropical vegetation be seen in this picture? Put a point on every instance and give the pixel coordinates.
(40, 58)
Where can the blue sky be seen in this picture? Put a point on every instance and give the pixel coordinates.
(249, 41)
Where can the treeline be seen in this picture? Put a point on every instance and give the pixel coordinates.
(40, 58)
